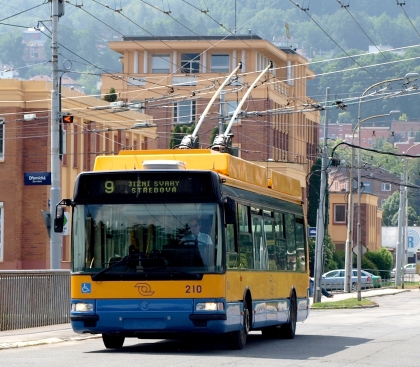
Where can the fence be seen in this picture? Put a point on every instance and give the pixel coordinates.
(34, 298)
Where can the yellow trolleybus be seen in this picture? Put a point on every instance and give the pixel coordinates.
(181, 242)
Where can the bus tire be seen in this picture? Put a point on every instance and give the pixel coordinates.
(237, 339)
(288, 330)
(113, 341)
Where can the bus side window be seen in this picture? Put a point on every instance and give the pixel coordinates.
(245, 245)
(232, 256)
(246, 251)
(290, 241)
(300, 245)
(279, 241)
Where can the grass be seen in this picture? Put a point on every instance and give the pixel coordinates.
(345, 303)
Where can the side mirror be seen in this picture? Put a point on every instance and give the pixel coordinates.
(59, 215)
(230, 211)
(59, 219)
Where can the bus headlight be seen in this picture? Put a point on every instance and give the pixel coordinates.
(82, 307)
(209, 306)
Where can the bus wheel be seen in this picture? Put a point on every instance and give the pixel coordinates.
(288, 330)
(237, 339)
(113, 341)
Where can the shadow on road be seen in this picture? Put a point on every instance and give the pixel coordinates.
(302, 347)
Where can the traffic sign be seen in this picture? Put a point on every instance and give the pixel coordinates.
(355, 248)
(312, 232)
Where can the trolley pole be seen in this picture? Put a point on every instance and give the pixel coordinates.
(55, 192)
(320, 220)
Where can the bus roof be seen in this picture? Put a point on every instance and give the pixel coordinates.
(204, 159)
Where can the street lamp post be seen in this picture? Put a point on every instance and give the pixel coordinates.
(350, 212)
(359, 197)
(401, 248)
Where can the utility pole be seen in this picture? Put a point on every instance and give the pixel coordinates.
(223, 113)
(320, 220)
(399, 247)
(55, 192)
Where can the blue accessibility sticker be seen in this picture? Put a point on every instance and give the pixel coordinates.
(86, 288)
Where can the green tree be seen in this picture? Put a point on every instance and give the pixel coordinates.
(314, 195)
(12, 48)
(390, 211)
(179, 132)
(382, 260)
(344, 118)
(328, 255)
(111, 96)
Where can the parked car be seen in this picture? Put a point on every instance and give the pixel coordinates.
(408, 269)
(376, 279)
(334, 280)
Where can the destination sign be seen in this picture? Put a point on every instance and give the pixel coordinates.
(142, 184)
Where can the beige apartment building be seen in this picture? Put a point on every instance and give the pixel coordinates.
(173, 79)
(25, 136)
(370, 219)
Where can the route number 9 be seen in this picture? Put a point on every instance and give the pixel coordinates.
(109, 187)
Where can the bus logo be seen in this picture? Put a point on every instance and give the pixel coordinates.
(144, 289)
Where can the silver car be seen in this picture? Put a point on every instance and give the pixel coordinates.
(334, 280)
(408, 269)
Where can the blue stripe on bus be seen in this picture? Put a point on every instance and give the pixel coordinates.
(162, 315)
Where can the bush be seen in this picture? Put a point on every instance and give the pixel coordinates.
(383, 261)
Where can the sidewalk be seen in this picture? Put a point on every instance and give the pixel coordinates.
(365, 294)
(41, 335)
(63, 332)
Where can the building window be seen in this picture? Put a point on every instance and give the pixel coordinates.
(386, 186)
(219, 64)
(190, 63)
(370, 141)
(332, 136)
(231, 107)
(383, 201)
(1, 139)
(184, 112)
(340, 127)
(161, 64)
(339, 213)
(1, 231)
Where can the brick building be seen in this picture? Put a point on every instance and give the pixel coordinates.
(25, 148)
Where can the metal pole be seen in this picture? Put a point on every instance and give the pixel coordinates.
(222, 112)
(349, 241)
(55, 192)
(410, 77)
(320, 220)
(359, 197)
(398, 259)
(404, 225)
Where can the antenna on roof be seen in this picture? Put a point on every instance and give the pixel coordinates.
(188, 141)
(221, 141)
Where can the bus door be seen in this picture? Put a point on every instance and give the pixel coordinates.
(260, 246)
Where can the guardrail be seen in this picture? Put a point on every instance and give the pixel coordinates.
(33, 298)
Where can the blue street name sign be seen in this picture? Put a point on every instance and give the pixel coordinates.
(312, 232)
(37, 178)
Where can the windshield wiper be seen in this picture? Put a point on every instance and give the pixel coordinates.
(124, 260)
(163, 268)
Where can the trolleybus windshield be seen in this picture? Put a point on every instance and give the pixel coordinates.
(157, 241)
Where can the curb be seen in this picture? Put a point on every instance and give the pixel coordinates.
(31, 343)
